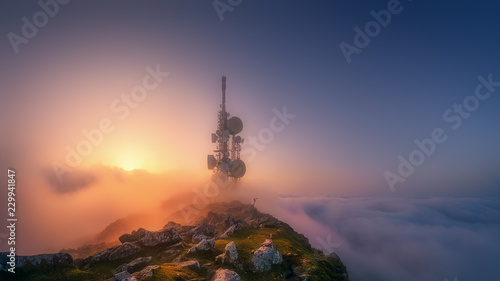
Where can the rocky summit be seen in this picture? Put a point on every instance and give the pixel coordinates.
(230, 241)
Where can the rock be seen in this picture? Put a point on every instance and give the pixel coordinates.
(147, 238)
(173, 224)
(180, 228)
(262, 219)
(193, 265)
(253, 224)
(166, 237)
(52, 259)
(134, 265)
(124, 276)
(125, 250)
(265, 256)
(230, 231)
(230, 256)
(204, 246)
(198, 237)
(225, 275)
(177, 259)
(78, 262)
(214, 218)
(204, 229)
(176, 245)
(148, 271)
(170, 252)
(333, 255)
(170, 256)
(132, 237)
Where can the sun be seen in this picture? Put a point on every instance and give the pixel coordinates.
(128, 166)
(129, 156)
(129, 162)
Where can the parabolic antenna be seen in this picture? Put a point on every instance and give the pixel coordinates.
(235, 125)
(237, 168)
(211, 162)
(238, 139)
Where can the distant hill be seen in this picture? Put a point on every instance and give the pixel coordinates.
(227, 241)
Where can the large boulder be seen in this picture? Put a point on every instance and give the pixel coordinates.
(225, 275)
(198, 238)
(206, 245)
(193, 265)
(268, 221)
(182, 229)
(203, 229)
(135, 265)
(132, 237)
(124, 276)
(230, 231)
(264, 257)
(230, 256)
(214, 218)
(125, 250)
(165, 237)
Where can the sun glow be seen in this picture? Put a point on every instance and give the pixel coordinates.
(129, 163)
(127, 157)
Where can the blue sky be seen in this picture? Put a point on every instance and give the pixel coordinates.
(353, 119)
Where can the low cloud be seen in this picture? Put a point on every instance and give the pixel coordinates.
(72, 181)
(395, 239)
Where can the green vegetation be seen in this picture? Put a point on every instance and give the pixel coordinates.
(299, 258)
(49, 273)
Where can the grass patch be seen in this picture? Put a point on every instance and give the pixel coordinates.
(171, 272)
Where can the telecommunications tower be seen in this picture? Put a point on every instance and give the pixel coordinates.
(227, 160)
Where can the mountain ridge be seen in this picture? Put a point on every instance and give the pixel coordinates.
(226, 241)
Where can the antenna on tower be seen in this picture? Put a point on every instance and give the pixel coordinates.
(227, 160)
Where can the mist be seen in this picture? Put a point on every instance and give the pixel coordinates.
(401, 238)
(53, 215)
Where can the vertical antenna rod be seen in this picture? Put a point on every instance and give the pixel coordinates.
(224, 94)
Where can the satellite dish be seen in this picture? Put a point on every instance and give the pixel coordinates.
(237, 139)
(214, 138)
(211, 162)
(224, 167)
(225, 138)
(226, 133)
(218, 132)
(237, 168)
(235, 125)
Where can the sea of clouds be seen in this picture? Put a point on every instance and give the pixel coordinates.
(395, 239)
